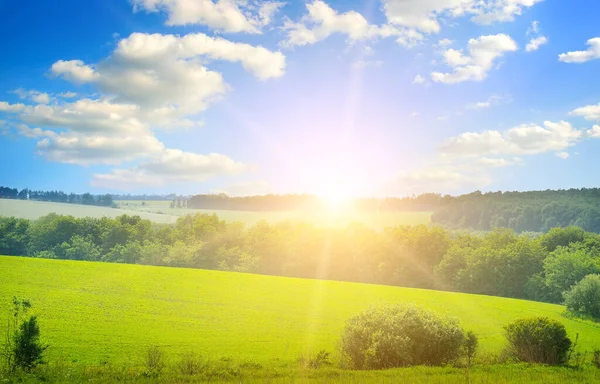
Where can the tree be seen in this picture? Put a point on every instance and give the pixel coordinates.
(23, 348)
(584, 297)
(566, 266)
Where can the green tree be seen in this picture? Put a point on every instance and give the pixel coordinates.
(566, 266)
(584, 297)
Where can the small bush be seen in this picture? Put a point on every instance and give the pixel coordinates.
(596, 358)
(470, 346)
(191, 364)
(154, 361)
(538, 340)
(315, 362)
(583, 299)
(400, 335)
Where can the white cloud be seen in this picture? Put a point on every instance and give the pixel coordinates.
(222, 15)
(26, 131)
(169, 166)
(483, 51)
(74, 71)
(445, 43)
(535, 43)
(166, 72)
(491, 101)
(593, 52)
(521, 140)
(419, 79)
(33, 95)
(589, 112)
(562, 155)
(594, 132)
(81, 149)
(322, 21)
(425, 15)
(68, 95)
(12, 108)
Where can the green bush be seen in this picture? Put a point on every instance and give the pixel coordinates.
(400, 335)
(584, 297)
(538, 340)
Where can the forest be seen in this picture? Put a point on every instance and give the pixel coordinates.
(500, 262)
(105, 200)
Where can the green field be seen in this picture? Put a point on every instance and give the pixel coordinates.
(34, 209)
(94, 312)
(159, 212)
(342, 217)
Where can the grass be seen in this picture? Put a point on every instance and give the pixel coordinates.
(99, 312)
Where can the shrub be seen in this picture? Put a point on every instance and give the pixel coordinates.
(191, 364)
(23, 348)
(596, 358)
(470, 346)
(315, 362)
(538, 340)
(400, 335)
(154, 361)
(584, 297)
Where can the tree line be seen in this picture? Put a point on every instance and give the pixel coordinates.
(499, 263)
(105, 200)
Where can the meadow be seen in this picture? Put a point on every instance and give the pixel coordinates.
(94, 312)
(336, 217)
(159, 212)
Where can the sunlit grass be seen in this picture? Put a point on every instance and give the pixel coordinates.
(94, 312)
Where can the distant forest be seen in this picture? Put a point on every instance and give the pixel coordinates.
(535, 211)
(57, 197)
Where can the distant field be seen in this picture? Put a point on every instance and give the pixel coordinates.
(35, 209)
(376, 220)
(93, 312)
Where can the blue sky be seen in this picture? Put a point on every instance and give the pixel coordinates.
(382, 98)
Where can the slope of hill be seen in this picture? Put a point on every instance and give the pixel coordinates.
(93, 312)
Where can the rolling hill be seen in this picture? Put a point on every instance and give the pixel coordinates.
(94, 312)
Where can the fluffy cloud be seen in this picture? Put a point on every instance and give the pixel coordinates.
(589, 112)
(322, 21)
(165, 72)
(425, 15)
(11, 108)
(222, 15)
(475, 66)
(81, 149)
(535, 43)
(169, 166)
(488, 162)
(34, 133)
(521, 140)
(562, 155)
(594, 132)
(593, 52)
(33, 95)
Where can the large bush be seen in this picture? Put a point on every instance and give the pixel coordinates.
(538, 340)
(400, 335)
(584, 297)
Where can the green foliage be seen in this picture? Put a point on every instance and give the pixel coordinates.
(562, 237)
(584, 297)
(566, 266)
(596, 358)
(400, 335)
(23, 348)
(154, 361)
(538, 340)
(321, 359)
(470, 345)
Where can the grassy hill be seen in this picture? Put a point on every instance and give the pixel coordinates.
(94, 312)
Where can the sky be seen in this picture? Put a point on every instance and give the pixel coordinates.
(336, 98)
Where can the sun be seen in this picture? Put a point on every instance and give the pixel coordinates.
(336, 196)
